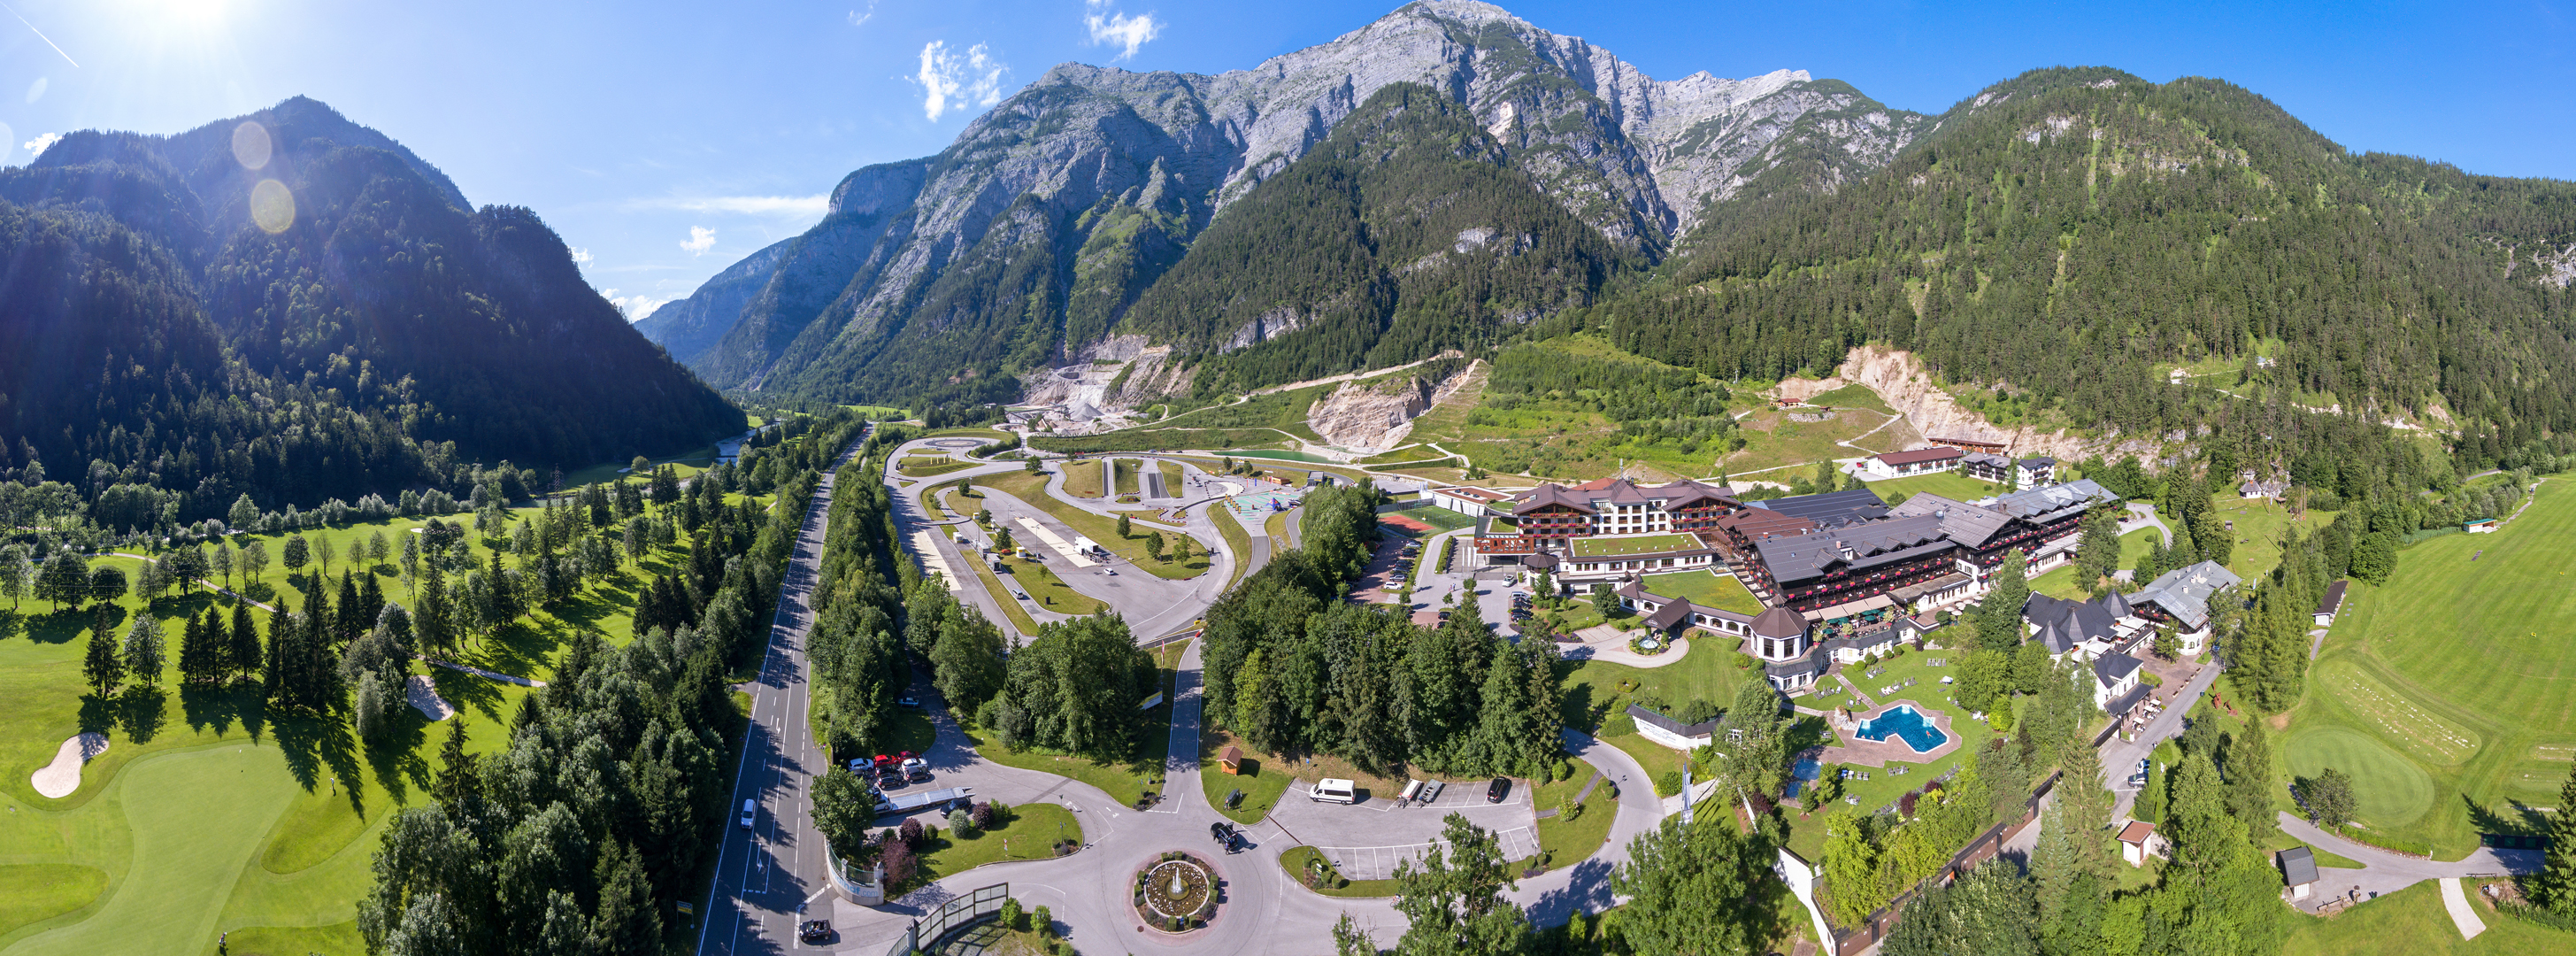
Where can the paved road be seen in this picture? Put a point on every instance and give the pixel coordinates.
(2383, 872)
(765, 875)
(2119, 757)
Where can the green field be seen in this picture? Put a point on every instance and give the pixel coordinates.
(1706, 589)
(2452, 689)
(1640, 544)
(2060, 581)
(2412, 921)
(1123, 479)
(1956, 486)
(1082, 478)
(2258, 532)
(924, 467)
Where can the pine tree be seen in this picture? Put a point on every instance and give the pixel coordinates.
(243, 643)
(2555, 885)
(2249, 780)
(1999, 615)
(102, 667)
(145, 650)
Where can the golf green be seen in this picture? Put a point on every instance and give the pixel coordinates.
(198, 818)
(2390, 789)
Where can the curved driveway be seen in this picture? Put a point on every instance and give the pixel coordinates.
(1264, 911)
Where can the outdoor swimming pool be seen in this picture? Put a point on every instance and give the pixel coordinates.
(1905, 724)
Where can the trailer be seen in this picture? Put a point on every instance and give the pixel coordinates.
(952, 798)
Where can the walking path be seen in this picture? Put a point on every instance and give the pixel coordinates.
(2462, 917)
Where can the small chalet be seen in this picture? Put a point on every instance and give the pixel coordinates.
(2333, 603)
(1672, 733)
(2298, 871)
(2479, 526)
(2138, 841)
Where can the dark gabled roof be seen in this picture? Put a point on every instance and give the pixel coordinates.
(2036, 461)
(1987, 459)
(1631, 589)
(1964, 523)
(2048, 503)
(1779, 622)
(1540, 560)
(2064, 624)
(2121, 706)
(1644, 716)
(1545, 495)
(2114, 668)
(2298, 866)
(1672, 613)
(1936, 453)
(1859, 547)
(2118, 606)
(2334, 597)
(1832, 509)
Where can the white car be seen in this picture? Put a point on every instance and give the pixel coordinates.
(750, 813)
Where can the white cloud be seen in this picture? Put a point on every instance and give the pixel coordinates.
(860, 18)
(580, 256)
(636, 308)
(36, 146)
(700, 240)
(948, 79)
(1118, 29)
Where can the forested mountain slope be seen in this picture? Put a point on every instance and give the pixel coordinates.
(1027, 241)
(2068, 230)
(1408, 231)
(294, 306)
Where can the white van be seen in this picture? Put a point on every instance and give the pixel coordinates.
(1330, 790)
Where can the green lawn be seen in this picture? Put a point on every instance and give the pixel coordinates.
(1706, 589)
(1707, 673)
(1237, 540)
(1298, 858)
(2412, 921)
(1171, 470)
(2258, 532)
(30, 892)
(2453, 684)
(1656, 758)
(1642, 544)
(1031, 835)
(1561, 841)
(1082, 478)
(1262, 786)
(1048, 590)
(1124, 479)
(1954, 485)
(924, 467)
(2060, 581)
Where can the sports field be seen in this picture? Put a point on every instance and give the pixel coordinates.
(2450, 693)
(1642, 544)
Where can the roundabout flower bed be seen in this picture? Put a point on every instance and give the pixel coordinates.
(1176, 893)
(1649, 644)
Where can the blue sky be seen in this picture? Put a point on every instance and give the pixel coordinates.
(665, 141)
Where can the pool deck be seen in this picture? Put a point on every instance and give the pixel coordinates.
(1880, 753)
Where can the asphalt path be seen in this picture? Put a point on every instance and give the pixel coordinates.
(766, 874)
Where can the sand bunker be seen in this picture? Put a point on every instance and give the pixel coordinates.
(59, 778)
(423, 694)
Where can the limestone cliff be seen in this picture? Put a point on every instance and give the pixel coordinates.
(1375, 415)
(1901, 381)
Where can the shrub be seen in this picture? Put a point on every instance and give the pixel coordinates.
(1668, 783)
(1569, 809)
(961, 822)
(984, 814)
(1565, 768)
(899, 861)
(1011, 915)
(1045, 922)
(912, 833)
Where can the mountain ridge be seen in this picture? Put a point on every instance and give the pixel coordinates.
(1635, 158)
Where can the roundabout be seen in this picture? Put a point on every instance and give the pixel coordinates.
(1177, 893)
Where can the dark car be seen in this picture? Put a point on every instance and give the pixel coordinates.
(814, 931)
(1224, 835)
(908, 703)
(1495, 791)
